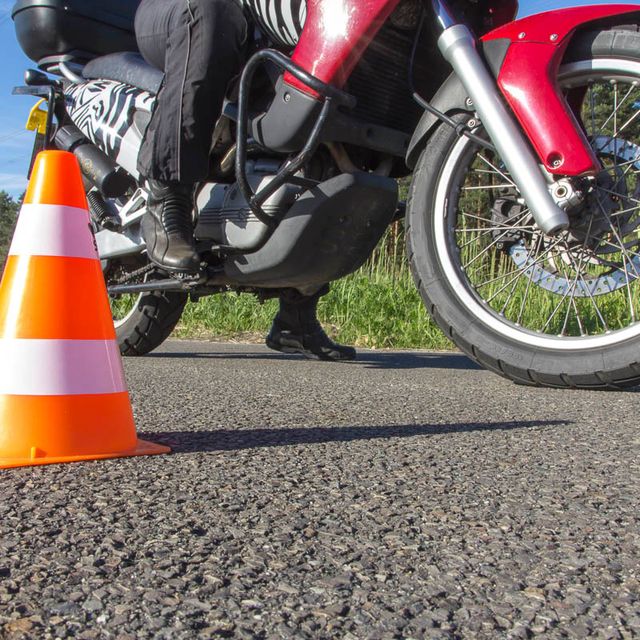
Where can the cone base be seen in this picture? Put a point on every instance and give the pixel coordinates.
(143, 448)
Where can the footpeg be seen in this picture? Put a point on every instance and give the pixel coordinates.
(187, 283)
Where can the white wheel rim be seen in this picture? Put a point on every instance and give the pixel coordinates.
(461, 287)
(134, 307)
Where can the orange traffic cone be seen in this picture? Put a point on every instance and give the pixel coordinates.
(63, 395)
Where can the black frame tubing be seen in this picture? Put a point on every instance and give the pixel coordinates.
(330, 95)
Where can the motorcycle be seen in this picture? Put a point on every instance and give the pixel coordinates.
(522, 135)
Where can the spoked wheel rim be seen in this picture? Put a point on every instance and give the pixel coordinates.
(123, 307)
(583, 285)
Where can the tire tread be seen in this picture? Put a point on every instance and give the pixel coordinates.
(151, 324)
(622, 41)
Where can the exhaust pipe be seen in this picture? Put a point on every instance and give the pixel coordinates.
(96, 166)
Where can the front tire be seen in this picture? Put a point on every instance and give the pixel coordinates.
(556, 315)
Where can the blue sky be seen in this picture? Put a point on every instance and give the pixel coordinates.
(15, 141)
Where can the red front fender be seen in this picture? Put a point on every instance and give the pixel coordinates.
(528, 80)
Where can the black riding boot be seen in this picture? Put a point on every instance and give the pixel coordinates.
(296, 329)
(167, 227)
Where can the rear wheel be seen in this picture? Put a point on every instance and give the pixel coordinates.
(558, 311)
(144, 321)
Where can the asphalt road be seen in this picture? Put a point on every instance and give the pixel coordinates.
(406, 495)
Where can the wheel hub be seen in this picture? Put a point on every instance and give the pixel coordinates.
(603, 212)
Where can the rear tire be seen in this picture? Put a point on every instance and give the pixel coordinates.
(540, 355)
(143, 322)
(150, 323)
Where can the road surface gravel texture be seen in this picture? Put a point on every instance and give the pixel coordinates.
(407, 495)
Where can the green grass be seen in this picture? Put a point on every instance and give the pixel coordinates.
(376, 307)
(379, 306)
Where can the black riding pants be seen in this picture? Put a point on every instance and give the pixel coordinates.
(199, 45)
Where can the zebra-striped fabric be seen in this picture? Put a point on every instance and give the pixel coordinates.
(281, 20)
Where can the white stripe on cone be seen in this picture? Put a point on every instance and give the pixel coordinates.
(60, 367)
(53, 230)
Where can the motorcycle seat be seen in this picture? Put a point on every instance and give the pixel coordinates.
(128, 67)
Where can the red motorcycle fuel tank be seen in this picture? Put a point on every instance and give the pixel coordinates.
(337, 32)
(335, 35)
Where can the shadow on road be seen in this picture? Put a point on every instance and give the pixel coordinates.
(368, 359)
(230, 440)
(395, 360)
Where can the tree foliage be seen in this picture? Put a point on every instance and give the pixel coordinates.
(8, 213)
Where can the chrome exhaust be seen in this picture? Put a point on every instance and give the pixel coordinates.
(458, 46)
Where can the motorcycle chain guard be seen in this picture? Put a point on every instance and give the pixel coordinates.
(532, 51)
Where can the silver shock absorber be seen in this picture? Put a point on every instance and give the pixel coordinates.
(458, 46)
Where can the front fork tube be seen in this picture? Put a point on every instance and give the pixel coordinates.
(458, 46)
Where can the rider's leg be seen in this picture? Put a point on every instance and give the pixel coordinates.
(296, 329)
(199, 45)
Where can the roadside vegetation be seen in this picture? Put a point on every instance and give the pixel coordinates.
(8, 213)
(376, 307)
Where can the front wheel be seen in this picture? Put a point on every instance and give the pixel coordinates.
(557, 311)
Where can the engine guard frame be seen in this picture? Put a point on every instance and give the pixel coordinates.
(329, 95)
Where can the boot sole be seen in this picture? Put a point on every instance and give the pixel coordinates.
(168, 269)
(310, 355)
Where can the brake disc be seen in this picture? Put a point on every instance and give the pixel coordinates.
(614, 201)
